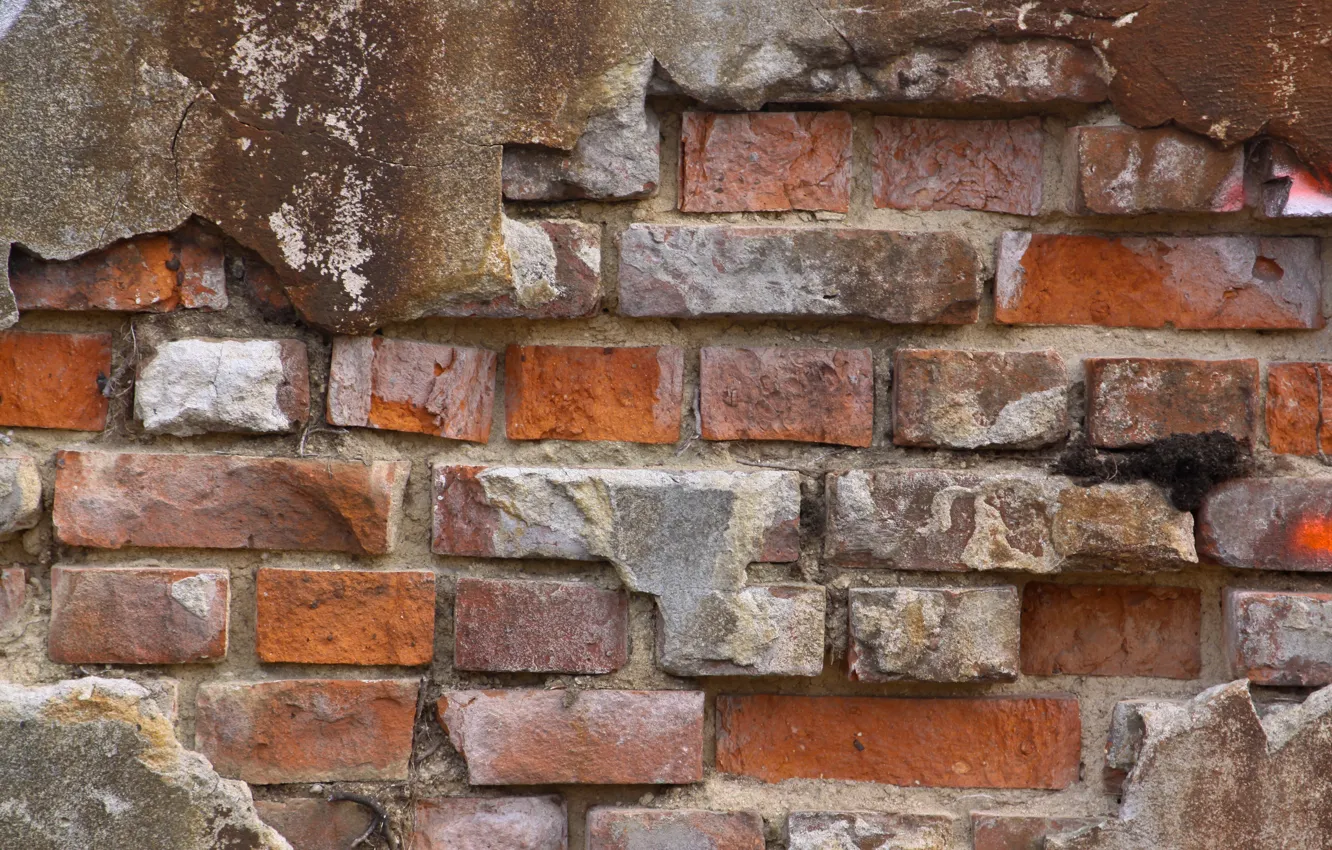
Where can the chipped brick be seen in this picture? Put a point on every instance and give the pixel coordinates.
(1278, 638)
(992, 831)
(868, 831)
(1121, 170)
(1284, 187)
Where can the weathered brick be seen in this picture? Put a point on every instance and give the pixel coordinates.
(138, 615)
(1269, 524)
(110, 500)
(758, 631)
(315, 824)
(979, 399)
(765, 161)
(783, 272)
(1190, 282)
(1111, 630)
(53, 380)
(998, 742)
(1121, 170)
(146, 274)
(1284, 187)
(933, 634)
(20, 495)
(611, 828)
(401, 385)
(253, 386)
(554, 392)
(813, 395)
(538, 737)
(868, 831)
(1278, 638)
(1299, 408)
(539, 626)
(940, 164)
(1124, 523)
(308, 730)
(993, 831)
(483, 823)
(13, 593)
(1135, 401)
(345, 616)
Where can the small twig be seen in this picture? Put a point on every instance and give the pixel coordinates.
(379, 823)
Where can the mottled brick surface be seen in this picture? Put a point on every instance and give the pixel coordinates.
(1121, 170)
(54, 380)
(610, 828)
(501, 823)
(1269, 524)
(868, 831)
(20, 495)
(992, 831)
(1279, 638)
(815, 395)
(1299, 408)
(773, 630)
(315, 824)
(1134, 401)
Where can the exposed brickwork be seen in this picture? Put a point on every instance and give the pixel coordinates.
(310, 824)
(1120, 170)
(627, 829)
(868, 831)
(1018, 832)
(54, 380)
(1133, 401)
(1277, 638)
(477, 823)
(1299, 414)
(1268, 523)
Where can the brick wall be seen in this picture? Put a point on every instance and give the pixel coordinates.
(751, 530)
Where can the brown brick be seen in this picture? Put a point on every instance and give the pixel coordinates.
(400, 385)
(1277, 638)
(765, 161)
(1121, 170)
(554, 392)
(315, 824)
(13, 593)
(999, 742)
(110, 500)
(1299, 408)
(612, 828)
(138, 615)
(1018, 832)
(813, 395)
(490, 823)
(979, 399)
(1111, 630)
(539, 627)
(50, 380)
(1135, 401)
(593, 737)
(1190, 282)
(940, 164)
(1269, 524)
(307, 730)
(346, 616)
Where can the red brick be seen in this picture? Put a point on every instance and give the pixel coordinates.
(1135, 401)
(1269, 524)
(812, 395)
(345, 616)
(400, 385)
(939, 164)
(50, 380)
(591, 737)
(556, 392)
(1121, 170)
(1299, 408)
(1190, 282)
(765, 161)
(539, 627)
(146, 274)
(490, 823)
(1111, 630)
(610, 828)
(110, 500)
(979, 399)
(1284, 187)
(307, 730)
(999, 742)
(1018, 832)
(1280, 639)
(13, 593)
(315, 824)
(138, 615)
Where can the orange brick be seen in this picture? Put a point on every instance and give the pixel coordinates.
(1299, 408)
(50, 380)
(584, 393)
(346, 616)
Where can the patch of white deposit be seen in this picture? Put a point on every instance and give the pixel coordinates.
(335, 248)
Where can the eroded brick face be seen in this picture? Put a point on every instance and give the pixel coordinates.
(1278, 638)
(477, 823)
(1299, 412)
(1120, 170)
(1134, 401)
(54, 380)
(1268, 523)
(1018, 832)
(868, 830)
(611, 828)
(311, 824)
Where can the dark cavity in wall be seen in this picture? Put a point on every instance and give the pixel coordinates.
(1186, 466)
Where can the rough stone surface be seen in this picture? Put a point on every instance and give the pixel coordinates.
(759, 631)
(1123, 523)
(20, 495)
(539, 626)
(1118, 170)
(999, 742)
(252, 386)
(1127, 729)
(401, 385)
(816, 395)
(564, 392)
(54, 380)
(345, 616)
(1189, 282)
(477, 823)
(1299, 412)
(110, 500)
(1281, 186)
(765, 161)
(315, 824)
(938, 164)
(867, 831)
(933, 634)
(1271, 523)
(536, 737)
(1134, 401)
(13, 593)
(95, 763)
(611, 828)
(1278, 638)
(979, 399)
(919, 278)
(994, 831)
(1111, 630)
(138, 615)
(307, 730)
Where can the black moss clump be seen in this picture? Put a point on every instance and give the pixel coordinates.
(1186, 466)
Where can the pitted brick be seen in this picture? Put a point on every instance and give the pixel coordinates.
(1134, 401)
(1279, 638)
